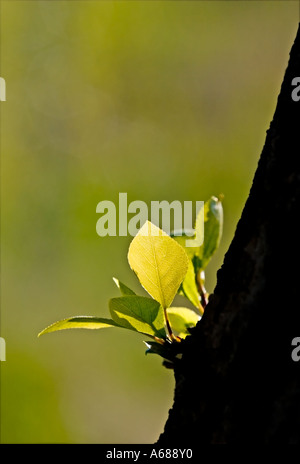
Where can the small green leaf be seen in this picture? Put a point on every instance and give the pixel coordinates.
(189, 288)
(80, 322)
(123, 289)
(159, 262)
(213, 228)
(138, 313)
(181, 319)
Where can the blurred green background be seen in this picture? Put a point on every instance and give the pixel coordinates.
(163, 100)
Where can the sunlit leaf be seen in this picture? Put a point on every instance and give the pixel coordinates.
(138, 313)
(80, 322)
(181, 319)
(159, 262)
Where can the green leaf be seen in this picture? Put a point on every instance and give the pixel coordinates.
(159, 262)
(138, 313)
(213, 228)
(181, 319)
(123, 289)
(189, 288)
(80, 322)
(167, 351)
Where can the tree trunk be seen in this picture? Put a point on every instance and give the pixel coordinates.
(237, 381)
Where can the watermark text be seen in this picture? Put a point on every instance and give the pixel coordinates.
(2, 349)
(127, 219)
(2, 89)
(296, 351)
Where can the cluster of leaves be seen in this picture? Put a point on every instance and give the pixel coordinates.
(165, 266)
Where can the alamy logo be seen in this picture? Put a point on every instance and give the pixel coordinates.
(296, 351)
(2, 349)
(2, 89)
(168, 216)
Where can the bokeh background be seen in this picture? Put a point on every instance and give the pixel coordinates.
(162, 100)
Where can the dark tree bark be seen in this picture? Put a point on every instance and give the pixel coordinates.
(237, 382)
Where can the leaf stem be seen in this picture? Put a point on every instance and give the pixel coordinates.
(172, 337)
(201, 290)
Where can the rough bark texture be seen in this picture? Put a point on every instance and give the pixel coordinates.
(237, 382)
